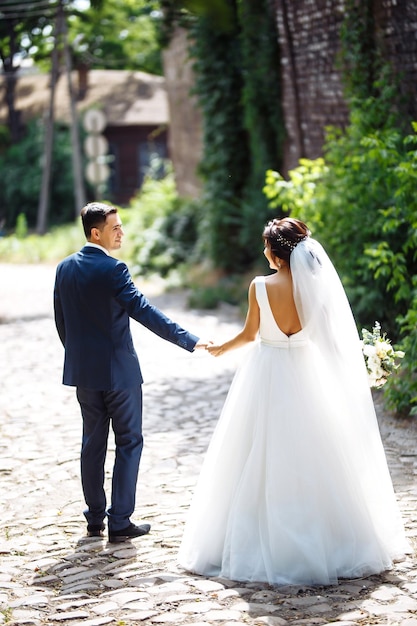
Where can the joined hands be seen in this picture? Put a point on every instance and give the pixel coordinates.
(213, 349)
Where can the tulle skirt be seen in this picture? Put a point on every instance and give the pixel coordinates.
(291, 491)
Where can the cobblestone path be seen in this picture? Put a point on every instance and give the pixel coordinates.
(51, 574)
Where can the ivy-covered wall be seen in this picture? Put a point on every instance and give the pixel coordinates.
(309, 40)
(235, 60)
(270, 77)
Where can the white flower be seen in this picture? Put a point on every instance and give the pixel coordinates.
(380, 357)
(383, 349)
(368, 350)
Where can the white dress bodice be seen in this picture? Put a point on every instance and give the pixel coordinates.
(269, 331)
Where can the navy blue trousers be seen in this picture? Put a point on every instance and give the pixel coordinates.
(123, 409)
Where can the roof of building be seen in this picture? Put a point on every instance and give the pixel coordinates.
(125, 97)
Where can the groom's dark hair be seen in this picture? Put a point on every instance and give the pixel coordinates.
(94, 215)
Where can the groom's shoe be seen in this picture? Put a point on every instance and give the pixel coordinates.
(95, 530)
(130, 532)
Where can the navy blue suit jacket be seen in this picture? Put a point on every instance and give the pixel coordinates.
(94, 297)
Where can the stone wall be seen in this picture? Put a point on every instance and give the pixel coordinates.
(185, 137)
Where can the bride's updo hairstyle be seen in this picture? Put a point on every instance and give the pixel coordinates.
(282, 236)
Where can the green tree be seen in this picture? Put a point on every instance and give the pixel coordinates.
(109, 34)
(118, 35)
(20, 177)
(20, 24)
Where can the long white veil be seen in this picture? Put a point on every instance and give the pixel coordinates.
(326, 317)
(325, 312)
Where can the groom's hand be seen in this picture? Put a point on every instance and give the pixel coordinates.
(202, 344)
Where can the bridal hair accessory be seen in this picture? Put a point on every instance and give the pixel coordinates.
(287, 243)
(380, 356)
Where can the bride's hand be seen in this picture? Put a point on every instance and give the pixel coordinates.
(215, 350)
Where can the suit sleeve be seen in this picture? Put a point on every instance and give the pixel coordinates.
(58, 313)
(140, 309)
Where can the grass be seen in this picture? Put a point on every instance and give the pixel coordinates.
(52, 247)
(49, 248)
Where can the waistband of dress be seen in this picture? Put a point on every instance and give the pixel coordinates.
(290, 342)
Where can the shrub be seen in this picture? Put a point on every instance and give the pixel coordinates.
(163, 227)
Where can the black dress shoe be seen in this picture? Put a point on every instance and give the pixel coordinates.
(95, 530)
(130, 532)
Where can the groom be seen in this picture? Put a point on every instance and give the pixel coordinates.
(94, 297)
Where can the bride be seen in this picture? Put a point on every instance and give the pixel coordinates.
(295, 487)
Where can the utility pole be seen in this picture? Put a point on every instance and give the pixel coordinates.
(79, 190)
(60, 43)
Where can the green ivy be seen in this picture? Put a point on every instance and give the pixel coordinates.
(371, 88)
(225, 163)
(263, 116)
(235, 54)
(358, 59)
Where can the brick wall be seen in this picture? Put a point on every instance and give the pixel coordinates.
(309, 43)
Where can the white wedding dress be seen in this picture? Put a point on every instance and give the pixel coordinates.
(295, 487)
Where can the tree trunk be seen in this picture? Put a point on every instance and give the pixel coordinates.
(10, 71)
(43, 206)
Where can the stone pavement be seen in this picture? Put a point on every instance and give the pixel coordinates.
(50, 573)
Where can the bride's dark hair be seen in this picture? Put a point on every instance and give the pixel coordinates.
(283, 235)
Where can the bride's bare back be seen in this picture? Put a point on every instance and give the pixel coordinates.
(280, 297)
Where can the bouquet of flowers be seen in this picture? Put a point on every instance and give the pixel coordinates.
(380, 356)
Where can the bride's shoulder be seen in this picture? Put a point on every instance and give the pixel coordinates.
(262, 280)
(266, 278)
(270, 279)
